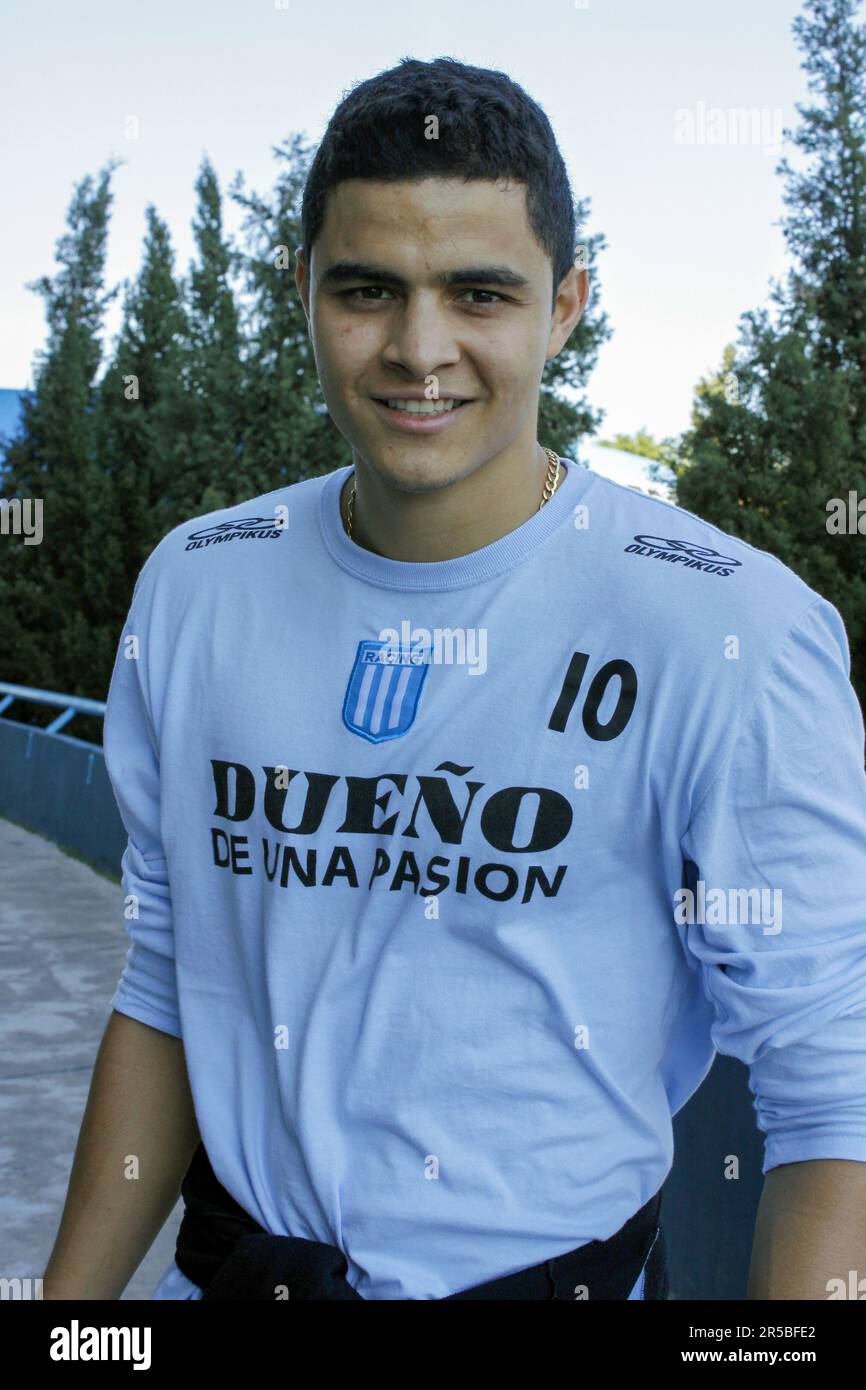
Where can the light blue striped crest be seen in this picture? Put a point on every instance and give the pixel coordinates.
(384, 688)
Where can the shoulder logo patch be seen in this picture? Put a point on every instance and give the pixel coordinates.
(693, 557)
(244, 529)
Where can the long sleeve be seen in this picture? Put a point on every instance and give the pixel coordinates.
(147, 988)
(786, 974)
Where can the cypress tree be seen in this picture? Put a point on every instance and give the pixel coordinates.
(779, 432)
(54, 597)
(563, 421)
(287, 432)
(145, 418)
(211, 473)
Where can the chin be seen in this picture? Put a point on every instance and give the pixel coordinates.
(412, 474)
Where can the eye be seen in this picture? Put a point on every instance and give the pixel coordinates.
(491, 294)
(363, 289)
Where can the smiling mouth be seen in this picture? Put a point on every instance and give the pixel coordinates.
(422, 408)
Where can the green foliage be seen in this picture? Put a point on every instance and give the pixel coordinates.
(780, 430)
(562, 422)
(664, 454)
(144, 414)
(287, 434)
(641, 443)
(209, 395)
(57, 599)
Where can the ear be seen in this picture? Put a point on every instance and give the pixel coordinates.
(571, 300)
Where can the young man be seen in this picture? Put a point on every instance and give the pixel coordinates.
(417, 760)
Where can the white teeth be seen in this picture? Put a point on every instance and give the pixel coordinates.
(422, 407)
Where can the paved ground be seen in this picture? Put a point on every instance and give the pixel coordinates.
(62, 949)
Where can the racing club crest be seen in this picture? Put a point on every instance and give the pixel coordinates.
(384, 689)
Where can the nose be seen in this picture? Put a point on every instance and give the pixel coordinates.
(422, 338)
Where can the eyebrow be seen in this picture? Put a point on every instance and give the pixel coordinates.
(343, 271)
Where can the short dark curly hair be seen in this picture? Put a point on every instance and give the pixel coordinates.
(488, 128)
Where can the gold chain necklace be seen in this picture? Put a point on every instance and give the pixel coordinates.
(551, 483)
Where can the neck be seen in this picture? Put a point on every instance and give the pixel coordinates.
(444, 523)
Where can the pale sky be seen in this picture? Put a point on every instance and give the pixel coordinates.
(691, 221)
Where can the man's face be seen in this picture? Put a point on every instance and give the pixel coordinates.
(398, 328)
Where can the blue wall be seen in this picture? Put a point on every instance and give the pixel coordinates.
(58, 786)
(10, 415)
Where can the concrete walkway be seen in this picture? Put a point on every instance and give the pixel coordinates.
(62, 949)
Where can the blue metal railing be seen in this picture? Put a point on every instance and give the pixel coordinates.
(71, 704)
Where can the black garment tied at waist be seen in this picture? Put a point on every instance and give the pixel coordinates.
(230, 1256)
